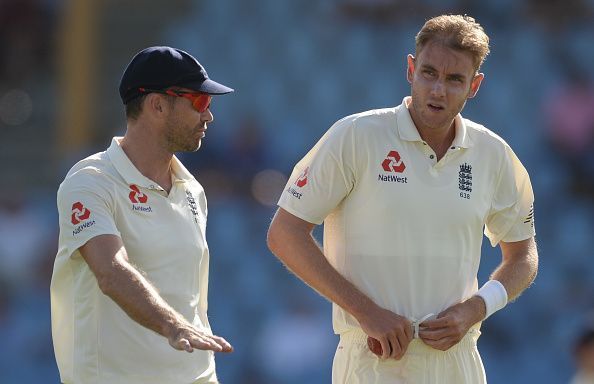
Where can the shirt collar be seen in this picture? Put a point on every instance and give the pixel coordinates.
(179, 171)
(408, 131)
(132, 175)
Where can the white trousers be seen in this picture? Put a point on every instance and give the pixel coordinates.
(354, 363)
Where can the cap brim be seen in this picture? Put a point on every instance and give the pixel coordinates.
(213, 88)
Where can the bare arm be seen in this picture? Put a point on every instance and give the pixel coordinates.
(516, 272)
(518, 268)
(291, 240)
(124, 284)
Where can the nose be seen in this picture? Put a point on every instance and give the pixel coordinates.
(207, 116)
(438, 89)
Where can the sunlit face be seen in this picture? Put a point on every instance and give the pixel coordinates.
(442, 79)
(186, 127)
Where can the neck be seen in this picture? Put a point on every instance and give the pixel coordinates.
(439, 138)
(151, 159)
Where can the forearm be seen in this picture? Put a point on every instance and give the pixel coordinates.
(300, 253)
(518, 268)
(118, 279)
(139, 299)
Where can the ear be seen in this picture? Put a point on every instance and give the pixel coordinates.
(156, 104)
(410, 69)
(475, 85)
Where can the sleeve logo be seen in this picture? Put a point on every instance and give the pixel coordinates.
(79, 213)
(530, 218)
(302, 179)
(136, 196)
(300, 183)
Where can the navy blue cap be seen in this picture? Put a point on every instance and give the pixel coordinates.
(164, 67)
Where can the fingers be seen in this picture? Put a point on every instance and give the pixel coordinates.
(227, 347)
(403, 342)
(386, 347)
(398, 341)
(181, 344)
(397, 349)
(440, 322)
(408, 331)
(205, 342)
(188, 340)
(434, 334)
(442, 344)
(441, 334)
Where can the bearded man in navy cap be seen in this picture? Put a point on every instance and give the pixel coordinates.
(130, 280)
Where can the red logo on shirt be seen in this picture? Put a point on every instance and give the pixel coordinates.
(79, 213)
(136, 196)
(393, 163)
(302, 179)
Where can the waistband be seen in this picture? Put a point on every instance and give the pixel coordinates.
(416, 346)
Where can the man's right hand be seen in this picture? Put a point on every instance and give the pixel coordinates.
(394, 332)
(187, 338)
(290, 239)
(124, 284)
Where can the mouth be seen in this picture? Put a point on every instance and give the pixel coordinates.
(202, 132)
(435, 107)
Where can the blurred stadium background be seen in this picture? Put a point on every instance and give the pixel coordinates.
(297, 67)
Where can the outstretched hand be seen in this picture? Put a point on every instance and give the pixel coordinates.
(187, 338)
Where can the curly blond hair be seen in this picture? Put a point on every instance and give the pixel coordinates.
(458, 32)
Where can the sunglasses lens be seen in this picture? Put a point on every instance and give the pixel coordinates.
(201, 102)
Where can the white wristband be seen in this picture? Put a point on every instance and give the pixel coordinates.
(494, 295)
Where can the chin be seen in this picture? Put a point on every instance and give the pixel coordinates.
(189, 147)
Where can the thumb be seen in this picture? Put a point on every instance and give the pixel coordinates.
(182, 344)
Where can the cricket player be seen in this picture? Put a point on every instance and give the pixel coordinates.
(130, 281)
(405, 194)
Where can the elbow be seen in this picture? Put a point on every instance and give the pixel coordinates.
(287, 232)
(106, 279)
(105, 284)
(272, 236)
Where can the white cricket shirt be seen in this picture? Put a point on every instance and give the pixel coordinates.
(402, 227)
(164, 236)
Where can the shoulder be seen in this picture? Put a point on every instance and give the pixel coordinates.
(362, 122)
(485, 140)
(370, 118)
(93, 172)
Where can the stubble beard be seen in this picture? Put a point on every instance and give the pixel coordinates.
(179, 140)
(431, 124)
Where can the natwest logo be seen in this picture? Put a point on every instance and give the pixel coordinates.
(302, 179)
(393, 163)
(136, 196)
(79, 213)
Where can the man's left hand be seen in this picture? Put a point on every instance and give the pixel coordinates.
(451, 325)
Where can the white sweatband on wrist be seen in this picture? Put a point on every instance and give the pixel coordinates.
(494, 295)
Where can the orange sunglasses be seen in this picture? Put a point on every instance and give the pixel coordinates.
(200, 101)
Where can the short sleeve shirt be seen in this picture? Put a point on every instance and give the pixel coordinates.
(405, 228)
(164, 236)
